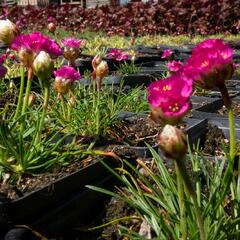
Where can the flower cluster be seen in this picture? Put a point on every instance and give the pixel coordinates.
(210, 64)
(117, 55)
(64, 77)
(30, 45)
(3, 70)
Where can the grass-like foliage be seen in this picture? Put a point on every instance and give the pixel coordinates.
(160, 206)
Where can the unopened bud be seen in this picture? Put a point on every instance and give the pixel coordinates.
(43, 66)
(31, 99)
(96, 61)
(8, 32)
(51, 27)
(173, 143)
(102, 69)
(71, 54)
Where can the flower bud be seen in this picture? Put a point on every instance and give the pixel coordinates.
(51, 27)
(31, 99)
(43, 66)
(8, 31)
(102, 69)
(172, 141)
(96, 61)
(71, 54)
(26, 57)
(62, 85)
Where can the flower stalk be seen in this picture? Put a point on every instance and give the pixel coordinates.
(20, 96)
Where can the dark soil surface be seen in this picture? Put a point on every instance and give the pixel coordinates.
(214, 141)
(28, 184)
(236, 109)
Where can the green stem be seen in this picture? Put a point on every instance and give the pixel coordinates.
(28, 89)
(63, 106)
(228, 104)
(188, 184)
(20, 94)
(232, 134)
(183, 223)
(45, 105)
(199, 218)
(97, 112)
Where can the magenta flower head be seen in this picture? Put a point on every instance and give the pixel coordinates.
(174, 66)
(64, 78)
(117, 55)
(211, 63)
(71, 42)
(167, 54)
(30, 45)
(71, 49)
(170, 98)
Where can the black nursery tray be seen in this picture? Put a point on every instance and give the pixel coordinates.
(193, 130)
(210, 109)
(23, 209)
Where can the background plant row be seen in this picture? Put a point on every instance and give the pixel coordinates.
(166, 17)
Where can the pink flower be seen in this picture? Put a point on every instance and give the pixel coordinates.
(174, 66)
(211, 63)
(117, 55)
(170, 98)
(64, 78)
(71, 43)
(167, 53)
(3, 70)
(34, 43)
(68, 73)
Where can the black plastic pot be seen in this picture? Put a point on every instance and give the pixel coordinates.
(210, 109)
(34, 208)
(193, 131)
(199, 102)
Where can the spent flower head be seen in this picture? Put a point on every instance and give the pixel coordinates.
(170, 98)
